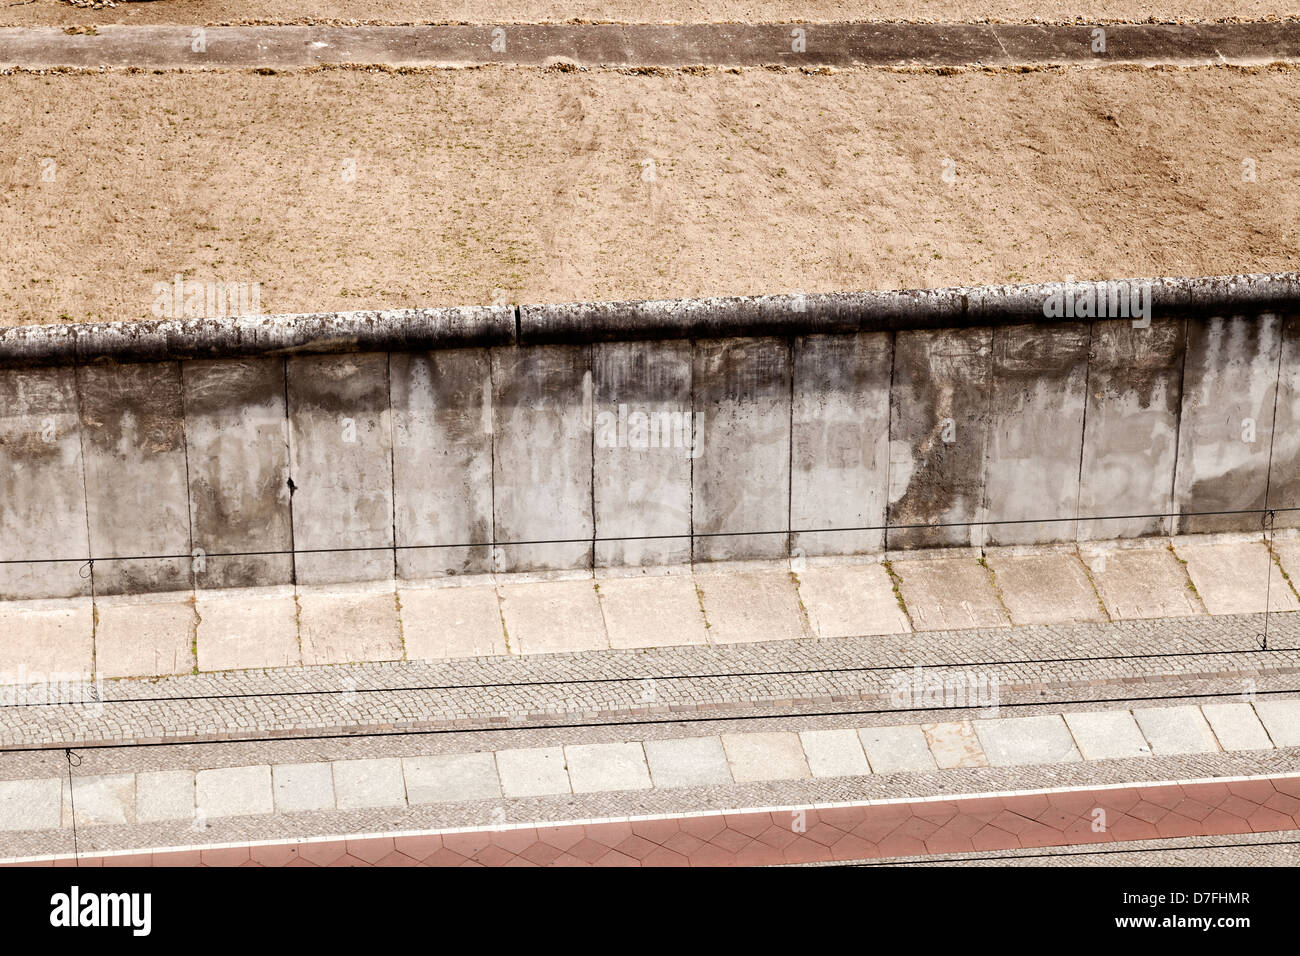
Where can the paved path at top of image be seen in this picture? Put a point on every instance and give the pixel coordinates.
(653, 45)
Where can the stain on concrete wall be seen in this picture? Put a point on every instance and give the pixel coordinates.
(43, 538)
(840, 458)
(543, 438)
(1036, 432)
(442, 462)
(137, 495)
(939, 422)
(1131, 434)
(469, 460)
(742, 475)
(645, 443)
(340, 461)
(1226, 428)
(237, 437)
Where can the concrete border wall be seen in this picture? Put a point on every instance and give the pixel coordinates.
(373, 465)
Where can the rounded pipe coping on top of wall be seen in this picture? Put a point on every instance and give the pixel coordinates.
(847, 312)
(243, 336)
(576, 323)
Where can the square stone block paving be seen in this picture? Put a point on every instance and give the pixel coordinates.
(865, 831)
(851, 600)
(533, 772)
(99, 800)
(369, 783)
(164, 795)
(948, 594)
(549, 617)
(442, 622)
(687, 762)
(834, 753)
(1050, 588)
(145, 636)
(343, 626)
(1282, 720)
(1176, 730)
(1140, 583)
(660, 610)
(774, 756)
(1237, 726)
(1107, 735)
(41, 639)
(1236, 577)
(252, 627)
(31, 804)
(303, 786)
(897, 749)
(1022, 741)
(954, 744)
(234, 791)
(444, 778)
(607, 767)
(750, 606)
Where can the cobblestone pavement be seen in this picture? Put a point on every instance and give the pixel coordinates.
(1072, 662)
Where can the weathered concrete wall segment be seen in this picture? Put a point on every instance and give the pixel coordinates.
(361, 466)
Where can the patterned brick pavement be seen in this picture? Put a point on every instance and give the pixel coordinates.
(845, 833)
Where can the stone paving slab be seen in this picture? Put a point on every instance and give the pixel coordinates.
(687, 762)
(533, 772)
(1050, 588)
(600, 767)
(1237, 726)
(444, 778)
(1282, 720)
(145, 635)
(595, 767)
(775, 756)
(31, 804)
(834, 753)
(745, 606)
(1107, 735)
(164, 795)
(1021, 741)
(1176, 730)
(845, 601)
(100, 800)
(1236, 577)
(1137, 583)
(253, 627)
(774, 835)
(647, 44)
(547, 617)
(303, 786)
(948, 593)
(897, 749)
(38, 638)
(234, 791)
(954, 744)
(346, 625)
(277, 627)
(652, 611)
(369, 783)
(442, 622)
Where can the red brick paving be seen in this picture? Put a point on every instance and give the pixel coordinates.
(748, 838)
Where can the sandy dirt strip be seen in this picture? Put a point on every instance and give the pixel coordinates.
(61, 12)
(343, 189)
